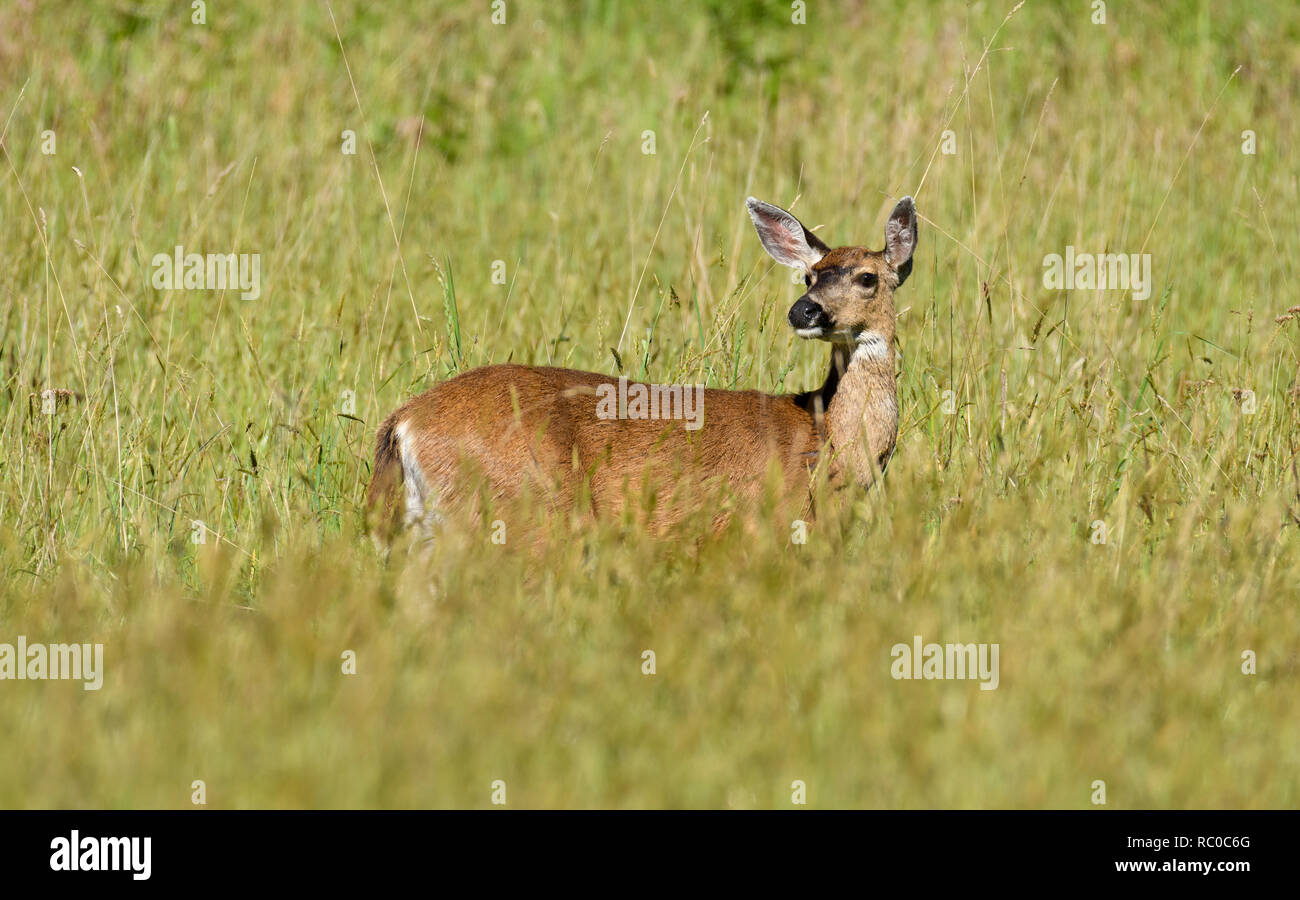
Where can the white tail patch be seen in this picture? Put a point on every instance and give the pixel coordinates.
(417, 489)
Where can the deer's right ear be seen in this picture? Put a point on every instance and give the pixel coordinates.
(784, 237)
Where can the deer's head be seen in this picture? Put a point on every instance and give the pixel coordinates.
(850, 295)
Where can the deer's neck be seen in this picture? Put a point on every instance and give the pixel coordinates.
(860, 400)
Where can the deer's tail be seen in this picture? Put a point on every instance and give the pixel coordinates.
(383, 509)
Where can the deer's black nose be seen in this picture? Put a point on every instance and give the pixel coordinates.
(807, 314)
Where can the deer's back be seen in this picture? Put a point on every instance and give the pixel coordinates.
(512, 425)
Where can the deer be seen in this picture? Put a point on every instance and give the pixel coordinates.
(511, 428)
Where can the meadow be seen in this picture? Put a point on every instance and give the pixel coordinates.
(1105, 485)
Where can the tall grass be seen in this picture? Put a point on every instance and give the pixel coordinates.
(1168, 427)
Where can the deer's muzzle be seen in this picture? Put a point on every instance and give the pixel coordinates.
(806, 315)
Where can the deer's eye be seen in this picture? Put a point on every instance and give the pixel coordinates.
(867, 279)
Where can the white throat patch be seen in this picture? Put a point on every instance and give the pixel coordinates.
(871, 345)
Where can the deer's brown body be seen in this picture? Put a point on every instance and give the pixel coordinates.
(518, 428)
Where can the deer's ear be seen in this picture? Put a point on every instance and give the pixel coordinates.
(900, 238)
(784, 237)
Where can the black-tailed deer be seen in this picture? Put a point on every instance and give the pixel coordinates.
(555, 430)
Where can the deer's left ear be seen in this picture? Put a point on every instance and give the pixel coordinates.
(900, 238)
